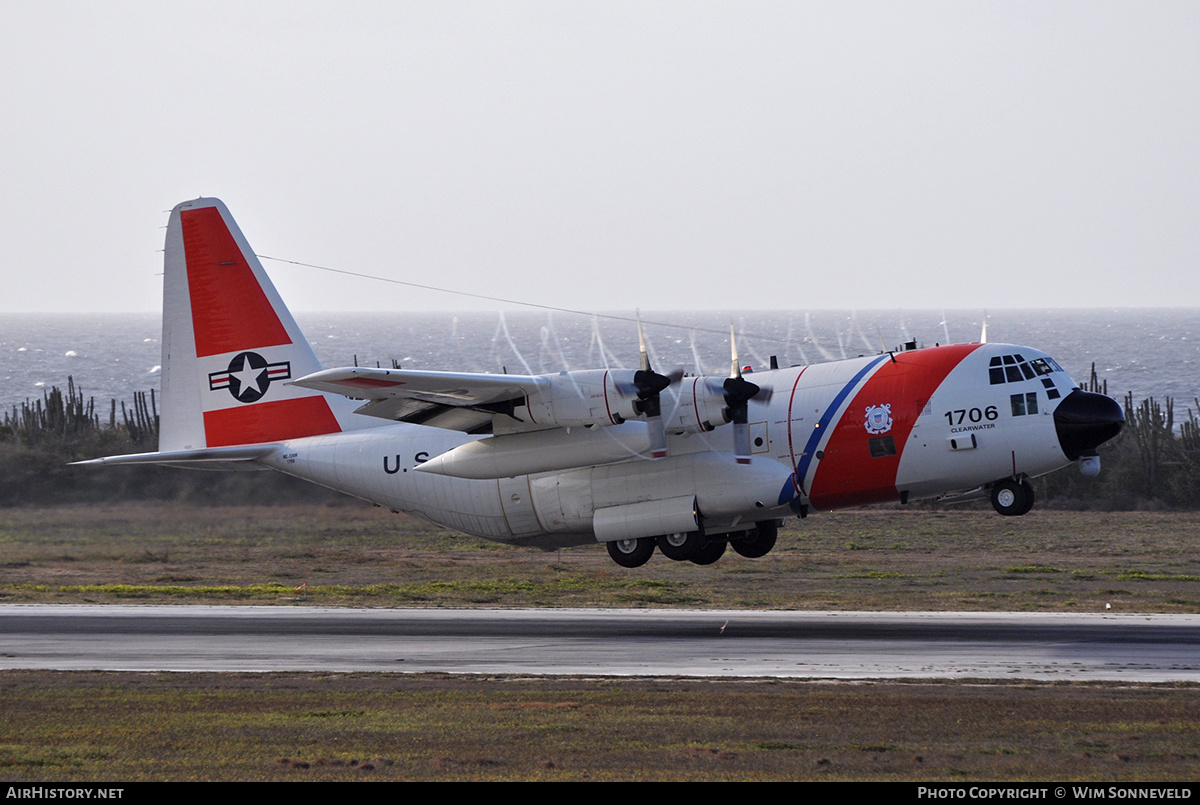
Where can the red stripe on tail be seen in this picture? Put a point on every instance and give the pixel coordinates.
(269, 422)
(230, 312)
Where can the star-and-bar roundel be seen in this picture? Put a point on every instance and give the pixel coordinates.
(249, 376)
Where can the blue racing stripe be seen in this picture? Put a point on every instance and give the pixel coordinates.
(819, 431)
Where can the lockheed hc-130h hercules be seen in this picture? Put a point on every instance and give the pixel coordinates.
(634, 459)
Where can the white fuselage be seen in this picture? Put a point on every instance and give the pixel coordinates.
(874, 429)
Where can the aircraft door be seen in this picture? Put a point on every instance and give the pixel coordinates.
(760, 441)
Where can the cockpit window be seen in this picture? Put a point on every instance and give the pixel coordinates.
(1014, 368)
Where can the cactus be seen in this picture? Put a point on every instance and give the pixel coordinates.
(59, 418)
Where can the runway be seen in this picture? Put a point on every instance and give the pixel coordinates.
(819, 645)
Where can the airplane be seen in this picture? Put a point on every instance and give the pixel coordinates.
(635, 459)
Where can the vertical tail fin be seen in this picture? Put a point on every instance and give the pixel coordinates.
(229, 344)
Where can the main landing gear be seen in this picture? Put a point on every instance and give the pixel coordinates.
(759, 542)
(696, 546)
(681, 547)
(1012, 498)
(631, 552)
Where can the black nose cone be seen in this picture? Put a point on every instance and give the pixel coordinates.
(1085, 421)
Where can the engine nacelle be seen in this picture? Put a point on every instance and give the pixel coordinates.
(583, 398)
(609, 397)
(698, 406)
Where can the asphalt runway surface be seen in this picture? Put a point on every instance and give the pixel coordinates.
(819, 645)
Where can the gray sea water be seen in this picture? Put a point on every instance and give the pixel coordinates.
(1149, 352)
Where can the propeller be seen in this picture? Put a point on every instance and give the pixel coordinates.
(738, 393)
(648, 385)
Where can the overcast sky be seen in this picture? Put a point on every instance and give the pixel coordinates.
(611, 155)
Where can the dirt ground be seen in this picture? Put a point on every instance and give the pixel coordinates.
(354, 554)
(112, 726)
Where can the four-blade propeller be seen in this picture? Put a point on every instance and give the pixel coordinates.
(737, 392)
(648, 385)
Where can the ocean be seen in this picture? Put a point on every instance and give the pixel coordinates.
(1146, 352)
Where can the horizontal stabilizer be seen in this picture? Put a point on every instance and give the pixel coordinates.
(212, 458)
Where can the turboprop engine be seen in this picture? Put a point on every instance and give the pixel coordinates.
(584, 399)
(587, 418)
(602, 402)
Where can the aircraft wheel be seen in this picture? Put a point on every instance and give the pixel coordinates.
(631, 552)
(681, 546)
(711, 552)
(1029, 497)
(1011, 498)
(759, 542)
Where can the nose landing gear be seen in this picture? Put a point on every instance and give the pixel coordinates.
(1012, 498)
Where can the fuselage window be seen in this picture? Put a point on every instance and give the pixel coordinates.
(1023, 404)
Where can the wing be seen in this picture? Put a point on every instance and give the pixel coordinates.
(462, 401)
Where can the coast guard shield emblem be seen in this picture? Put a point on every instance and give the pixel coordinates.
(879, 418)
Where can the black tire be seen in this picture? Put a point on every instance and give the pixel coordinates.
(1029, 496)
(681, 547)
(711, 552)
(759, 542)
(1011, 498)
(631, 552)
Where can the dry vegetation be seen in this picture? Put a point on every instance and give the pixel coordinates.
(353, 554)
(116, 726)
(304, 727)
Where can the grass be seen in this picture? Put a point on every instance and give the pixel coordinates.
(357, 555)
(310, 727)
(313, 727)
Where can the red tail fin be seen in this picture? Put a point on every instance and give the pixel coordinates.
(229, 343)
